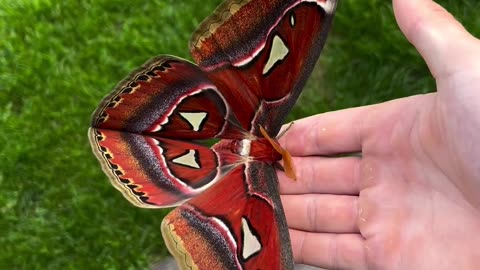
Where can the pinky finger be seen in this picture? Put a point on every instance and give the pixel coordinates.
(328, 250)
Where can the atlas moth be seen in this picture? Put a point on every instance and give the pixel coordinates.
(252, 59)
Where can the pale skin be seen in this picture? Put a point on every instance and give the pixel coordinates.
(412, 200)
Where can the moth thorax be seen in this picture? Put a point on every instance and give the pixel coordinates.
(259, 149)
(243, 147)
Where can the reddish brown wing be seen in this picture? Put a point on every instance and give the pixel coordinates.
(155, 172)
(260, 53)
(241, 228)
(166, 98)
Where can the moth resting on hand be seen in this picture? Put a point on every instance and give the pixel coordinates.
(252, 58)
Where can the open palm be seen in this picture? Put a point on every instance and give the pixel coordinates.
(412, 200)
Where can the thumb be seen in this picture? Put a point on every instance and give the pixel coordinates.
(441, 40)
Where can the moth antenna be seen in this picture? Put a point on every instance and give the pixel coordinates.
(282, 132)
(286, 157)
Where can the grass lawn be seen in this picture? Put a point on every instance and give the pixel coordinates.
(59, 58)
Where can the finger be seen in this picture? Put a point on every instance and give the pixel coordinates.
(437, 35)
(321, 213)
(326, 134)
(323, 175)
(331, 251)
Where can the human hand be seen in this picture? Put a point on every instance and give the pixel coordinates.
(412, 200)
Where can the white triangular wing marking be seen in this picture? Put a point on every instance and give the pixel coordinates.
(251, 245)
(194, 118)
(188, 159)
(277, 53)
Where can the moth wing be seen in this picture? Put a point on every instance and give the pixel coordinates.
(236, 224)
(259, 53)
(139, 132)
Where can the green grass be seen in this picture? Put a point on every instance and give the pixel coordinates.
(59, 58)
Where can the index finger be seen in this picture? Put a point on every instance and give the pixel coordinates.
(326, 134)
